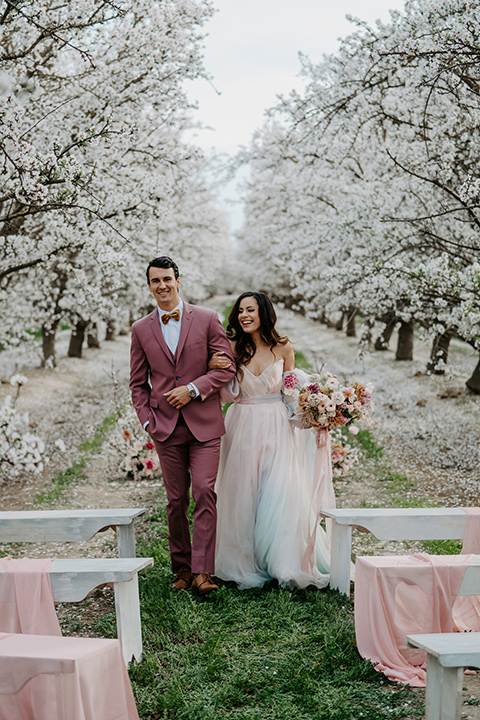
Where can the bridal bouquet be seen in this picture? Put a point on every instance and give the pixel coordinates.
(323, 402)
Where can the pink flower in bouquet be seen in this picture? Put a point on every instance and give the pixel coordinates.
(349, 392)
(149, 446)
(290, 382)
(353, 429)
(312, 389)
(149, 464)
(332, 383)
(338, 397)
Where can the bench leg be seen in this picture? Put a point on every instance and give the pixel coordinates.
(341, 558)
(443, 697)
(126, 540)
(129, 624)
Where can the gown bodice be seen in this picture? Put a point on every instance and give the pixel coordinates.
(268, 383)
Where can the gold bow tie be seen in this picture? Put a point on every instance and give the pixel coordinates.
(168, 316)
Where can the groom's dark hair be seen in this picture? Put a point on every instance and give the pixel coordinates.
(162, 262)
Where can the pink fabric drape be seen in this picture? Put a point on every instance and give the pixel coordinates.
(466, 611)
(63, 678)
(396, 596)
(26, 598)
(321, 493)
(471, 537)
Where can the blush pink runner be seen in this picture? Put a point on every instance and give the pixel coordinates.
(398, 595)
(63, 678)
(26, 598)
(466, 611)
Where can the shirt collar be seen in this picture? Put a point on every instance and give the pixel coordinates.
(179, 307)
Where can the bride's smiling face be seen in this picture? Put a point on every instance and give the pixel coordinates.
(248, 315)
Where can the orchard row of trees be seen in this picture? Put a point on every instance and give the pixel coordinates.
(365, 188)
(96, 177)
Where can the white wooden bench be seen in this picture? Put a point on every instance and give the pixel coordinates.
(73, 579)
(387, 524)
(70, 526)
(447, 656)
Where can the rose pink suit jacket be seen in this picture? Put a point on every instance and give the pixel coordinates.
(155, 371)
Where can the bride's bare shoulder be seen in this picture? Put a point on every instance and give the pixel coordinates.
(287, 354)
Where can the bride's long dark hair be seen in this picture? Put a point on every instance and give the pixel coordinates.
(244, 345)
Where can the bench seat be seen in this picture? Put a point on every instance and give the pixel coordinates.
(73, 579)
(448, 654)
(387, 524)
(70, 526)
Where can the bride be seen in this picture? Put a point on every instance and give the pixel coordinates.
(269, 486)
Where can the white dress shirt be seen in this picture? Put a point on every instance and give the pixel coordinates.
(171, 334)
(171, 330)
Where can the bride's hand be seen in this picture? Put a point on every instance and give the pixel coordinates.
(219, 361)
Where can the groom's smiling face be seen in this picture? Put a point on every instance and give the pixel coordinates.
(164, 287)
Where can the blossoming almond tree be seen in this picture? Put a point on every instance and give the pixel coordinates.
(104, 105)
(368, 177)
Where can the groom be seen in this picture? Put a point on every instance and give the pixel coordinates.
(177, 401)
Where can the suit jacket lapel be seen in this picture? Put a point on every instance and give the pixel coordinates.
(184, 328)
(157, 332)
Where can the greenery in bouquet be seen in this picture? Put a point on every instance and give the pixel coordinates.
(140, 460)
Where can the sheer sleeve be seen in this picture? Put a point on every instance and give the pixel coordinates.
(230, 392)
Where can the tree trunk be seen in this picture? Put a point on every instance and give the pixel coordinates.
(351, 327)
(110, 331)
(339, 323)
(383, 341)
(92, 338)
(405, 341)
(473, 383)
(439, 353)
(76, 340)
(327, 320)
(48, 346)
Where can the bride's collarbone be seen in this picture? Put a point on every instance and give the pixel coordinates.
(258, 369)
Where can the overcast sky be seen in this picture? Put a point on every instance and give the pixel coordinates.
(252, 52)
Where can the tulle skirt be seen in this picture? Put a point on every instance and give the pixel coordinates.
(267, 524)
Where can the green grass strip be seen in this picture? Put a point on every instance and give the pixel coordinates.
(75, 472)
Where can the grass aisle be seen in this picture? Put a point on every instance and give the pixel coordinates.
(268, 653)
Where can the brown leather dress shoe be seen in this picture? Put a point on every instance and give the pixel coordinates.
(182, 580)
(203, 584)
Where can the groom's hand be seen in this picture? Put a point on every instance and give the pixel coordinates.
(179, 397)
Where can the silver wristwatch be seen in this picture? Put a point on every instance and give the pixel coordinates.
(191, 390)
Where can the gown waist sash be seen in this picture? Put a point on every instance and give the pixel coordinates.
(254, 400)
